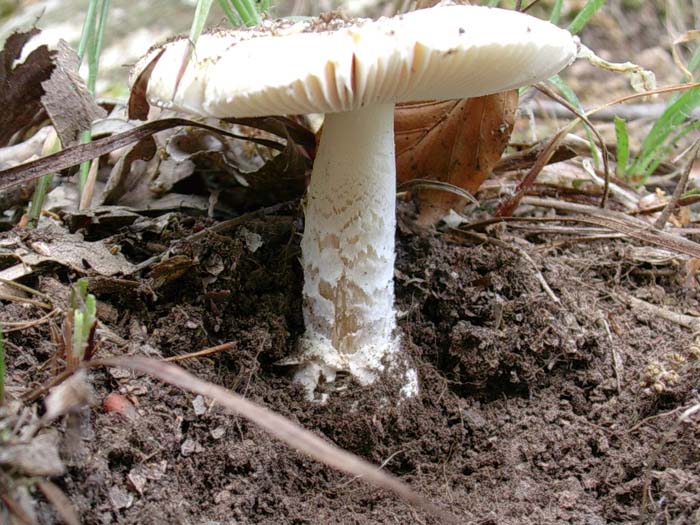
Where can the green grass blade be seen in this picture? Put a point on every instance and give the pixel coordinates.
(556, 11)
(248, 11)
(666, 148)
(88, 28)
(201, 13)
(571, 97)
(95, 47)
(232, 15)
(94, 50)
(78, 341)
(263, 6)
(38, 199)
(52, 145)
(623, 148)
(584, 15)
(81, 287)
(654, 143)
(693, 63)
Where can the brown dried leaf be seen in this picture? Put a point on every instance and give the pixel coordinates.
(74, 155)
(282, 178)
(455, 141)
(138, 103)
(170, 270)
(128, 174)
(54, 246)
(20, 96)
(67, 101)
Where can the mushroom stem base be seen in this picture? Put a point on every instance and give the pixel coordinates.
(348, 248)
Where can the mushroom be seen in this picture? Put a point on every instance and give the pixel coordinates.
(354, 72)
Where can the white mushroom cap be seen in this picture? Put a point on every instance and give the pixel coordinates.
(439, 53)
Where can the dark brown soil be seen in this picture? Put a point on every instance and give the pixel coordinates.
(530, 411)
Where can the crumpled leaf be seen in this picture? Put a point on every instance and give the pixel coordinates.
(170, 270)
(282, 178)
(20, 96)
(129, 179)
(242, 175)
(67, 100)
(74, 155)
(52, 244)
(455, 141)
(138, 102)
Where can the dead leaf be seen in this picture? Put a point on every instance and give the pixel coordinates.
(138, 103)
(52, 244)
(280, 179)
(20, 96)
(455, 141)
(67, 101)
(128, 176)
(170, 270)
(74, 155)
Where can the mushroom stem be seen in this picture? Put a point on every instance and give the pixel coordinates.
(348, 248)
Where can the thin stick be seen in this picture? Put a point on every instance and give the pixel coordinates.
(686, 321)
(8, 326)
(15, 299)
(24, 288)
(679, 190)
(207, 351)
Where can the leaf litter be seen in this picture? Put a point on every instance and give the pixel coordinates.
(534, 403)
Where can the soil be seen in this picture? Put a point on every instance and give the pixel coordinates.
(530, 410)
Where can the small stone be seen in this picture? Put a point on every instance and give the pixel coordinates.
(199, 405)
(138, 479)
(253, 241)
(120, 498)
(218, 432)
(189, 447)
(155, 471)
(119, 404)
(119, 373)
(474, 419)
(223, 496)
